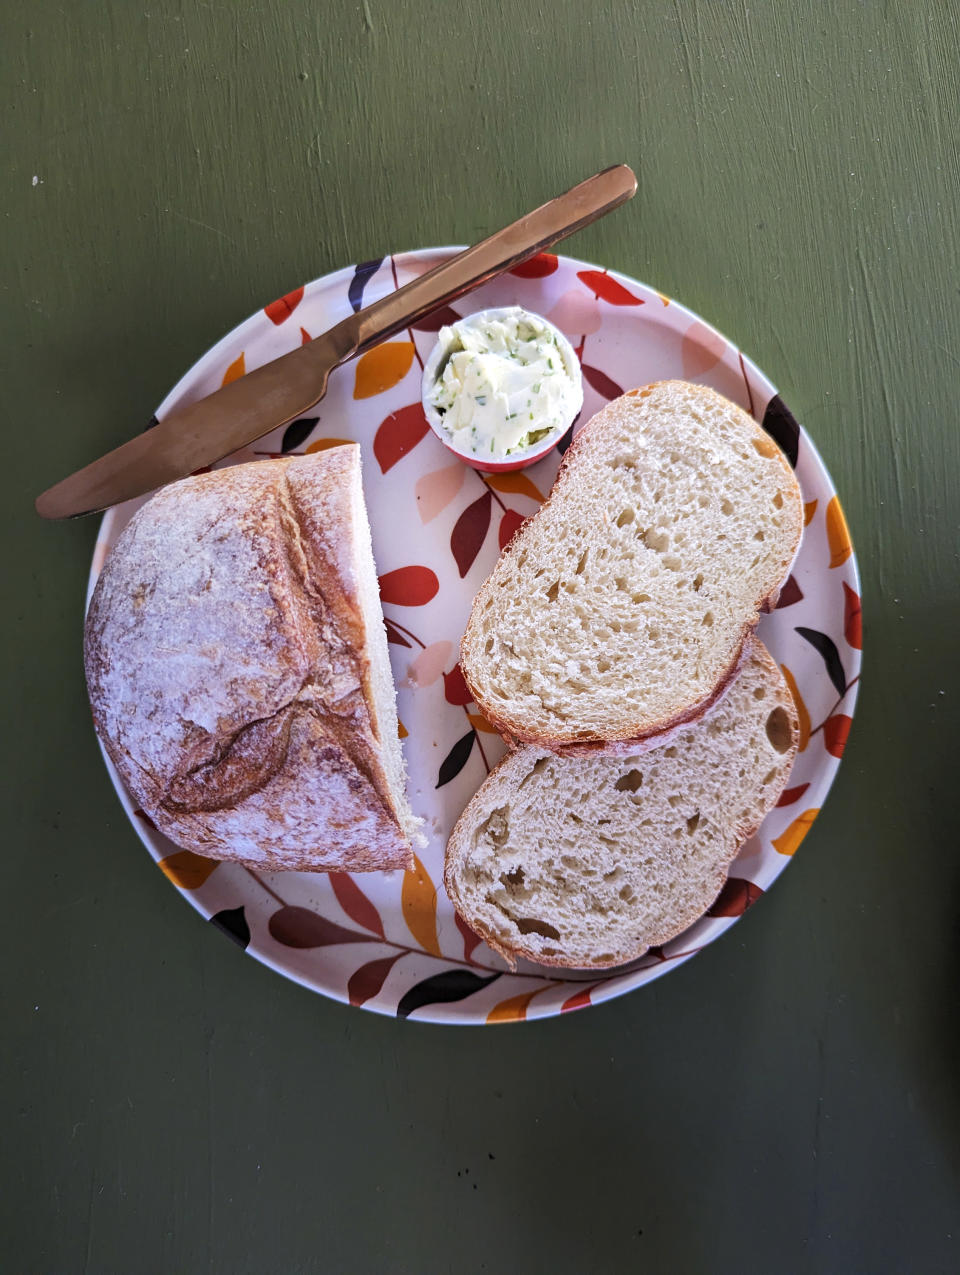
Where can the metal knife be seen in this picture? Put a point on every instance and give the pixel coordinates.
(270, 396)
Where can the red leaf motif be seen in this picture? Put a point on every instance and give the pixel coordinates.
(736, 896)
(537, 267)
(470, 531)
(579, 999)
(409, 586)
(366, 982)
(607, 289)
(602, 383)
(835, 732)
(790, 795)
(305, 337)
(355, 903)
(399, 434)
(280, 310)
(510, 524)
(852, 618)
(436, 320)
(790, 594)
(299, 927)
(455, 688)
(470, 940)
(394, 635)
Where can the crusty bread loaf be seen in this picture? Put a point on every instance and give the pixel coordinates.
(621, 608)
(588, 861)
(238, 671)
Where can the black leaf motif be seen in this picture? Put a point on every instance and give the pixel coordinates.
(297, 432)
(233, 922)
(456, 758)
(361, 276)
(394, 635)
(780, 423)
(150, 423)
(442, 989)
(831, 656)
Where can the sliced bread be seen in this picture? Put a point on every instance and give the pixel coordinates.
(621, 608)
(588, 861)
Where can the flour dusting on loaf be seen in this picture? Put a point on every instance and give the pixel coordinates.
(238, 671)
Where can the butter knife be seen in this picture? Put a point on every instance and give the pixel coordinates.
(274, 394)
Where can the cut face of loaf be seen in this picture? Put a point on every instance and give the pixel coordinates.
(588, 861)
(238, 672)
(621, 608)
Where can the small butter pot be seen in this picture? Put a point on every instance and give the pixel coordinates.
(519, 376)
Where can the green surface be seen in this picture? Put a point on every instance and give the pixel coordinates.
(789, 1100)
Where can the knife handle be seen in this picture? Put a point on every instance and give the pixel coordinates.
(502, 251)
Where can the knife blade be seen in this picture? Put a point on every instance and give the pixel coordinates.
(272, 395)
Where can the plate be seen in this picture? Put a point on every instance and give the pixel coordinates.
(391, 942)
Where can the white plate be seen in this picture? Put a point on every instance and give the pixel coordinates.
(391, 941)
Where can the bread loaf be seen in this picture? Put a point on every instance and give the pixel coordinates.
(621, 608)
(589, 861)
(238, 672)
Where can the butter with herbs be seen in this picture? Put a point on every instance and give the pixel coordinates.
(506, 379)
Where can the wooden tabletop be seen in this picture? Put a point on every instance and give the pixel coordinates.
(786, 1102)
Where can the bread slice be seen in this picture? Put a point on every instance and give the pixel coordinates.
(620, 609)
(238, 672)
(588, 861)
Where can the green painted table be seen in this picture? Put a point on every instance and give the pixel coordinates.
(788, 1101)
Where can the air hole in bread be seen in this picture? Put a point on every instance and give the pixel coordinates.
(496, 826)
(603, 666)
(627, 894)
(707, 619)
(514, 878)
(621, 583)
(777, 500)
(693, 822)
(488, 645)
(760, 692)
(765, 447)
(770, 776)
(583, 562)
(672, 563)
(759, 535)
(674, 800)
(659, 541)
(532, 925)
(538, 768)
(614, 874)
(554, 591)
(638, 598)
(670, 752)
(726, 507)
(629, 782)
(779, 732)
(626, 517)
(698, 582)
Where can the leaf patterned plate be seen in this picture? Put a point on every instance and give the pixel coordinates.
(391, 942)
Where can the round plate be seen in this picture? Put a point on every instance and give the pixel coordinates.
(391, 942)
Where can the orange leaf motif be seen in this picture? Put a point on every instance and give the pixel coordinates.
(790, 795)
(236, 369)
(402, 731)
(434, 491)
(305, 337)
(789, 842)
(607, 289)
(835, 732)
(324, 444)
(809, 509)
(382, 368)
(419, 899)
(852, 618)
(188, 870)
(281, 309)
(478, 722)
(514, 483)
(409, 586)
(509, 1011)
(802, 713)
(838, 537)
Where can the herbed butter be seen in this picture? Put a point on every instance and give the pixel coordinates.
(506, 380)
